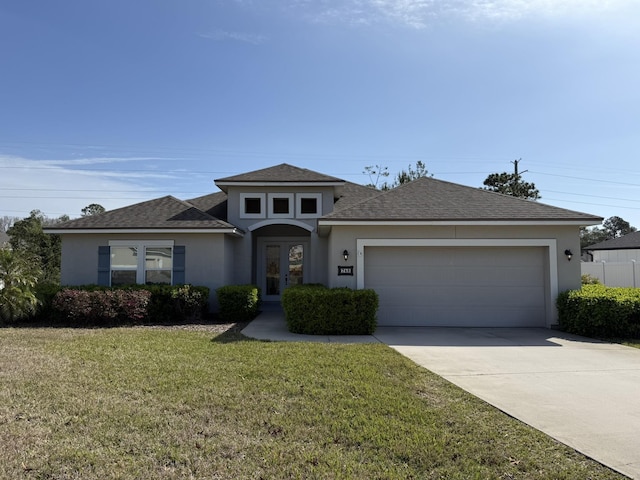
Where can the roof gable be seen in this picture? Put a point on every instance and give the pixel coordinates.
(215, 204)
(428, 199)
(283, 173)
(353, 193)
(161, 213)
(628, 241)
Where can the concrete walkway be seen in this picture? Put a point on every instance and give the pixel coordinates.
(580, 391)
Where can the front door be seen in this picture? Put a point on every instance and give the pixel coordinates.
(283, 265)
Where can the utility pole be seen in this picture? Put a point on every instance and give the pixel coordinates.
(515, 167)
(516, 178)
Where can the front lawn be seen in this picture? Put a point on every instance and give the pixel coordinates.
(632, 343)
(134, 403)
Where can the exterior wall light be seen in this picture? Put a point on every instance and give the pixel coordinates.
(568, 253)
(345, 254)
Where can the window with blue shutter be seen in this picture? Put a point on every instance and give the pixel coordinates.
(179, 264)
(144, 262)
(104, 266)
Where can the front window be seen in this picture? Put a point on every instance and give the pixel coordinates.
(149, 263)
(252, 205)
(308, 205)
(281, 205)
(158, 265)
(124, 265)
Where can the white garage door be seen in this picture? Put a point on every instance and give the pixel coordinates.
(458, 286)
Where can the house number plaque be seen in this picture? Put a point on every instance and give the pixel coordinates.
(348, 270)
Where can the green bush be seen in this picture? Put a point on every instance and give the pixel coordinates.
(317, 310)
(600, 311)
(589, 279)
(171, 303)
(238, 302)
(45, 293)
(19, 276)
(166, 303)
(102, 307)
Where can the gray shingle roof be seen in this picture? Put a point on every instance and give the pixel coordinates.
(430, 199)
(352, 193)
(630, 240)
(280, 174)
(165, 212)
(425, 199)
(215, 204)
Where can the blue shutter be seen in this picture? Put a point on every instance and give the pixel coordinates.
(104, 266)
(178, 264)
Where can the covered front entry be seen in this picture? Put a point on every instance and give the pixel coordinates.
(461, 286)
(281, 263)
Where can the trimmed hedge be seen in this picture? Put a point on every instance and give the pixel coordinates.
(317, 310)
(167, 303)
(239, 302)
(600, 311)
(112, 307)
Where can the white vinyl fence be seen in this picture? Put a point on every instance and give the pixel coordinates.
(614, 274)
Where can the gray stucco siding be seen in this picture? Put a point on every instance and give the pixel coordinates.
(560, 274)
(209, 258)
(345, 237)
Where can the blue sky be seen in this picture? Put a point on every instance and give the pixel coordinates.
(121, 101)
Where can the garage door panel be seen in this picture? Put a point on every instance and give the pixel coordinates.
(406, 276)
(461, 317)
(458, 286)
(471, 296)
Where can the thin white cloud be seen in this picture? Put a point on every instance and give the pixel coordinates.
(420, 14)
(95, 160)
(224, 35)
(58, 187)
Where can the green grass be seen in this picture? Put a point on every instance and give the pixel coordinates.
(632, 343)
(142, 403)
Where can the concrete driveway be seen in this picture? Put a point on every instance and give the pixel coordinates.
(582, 392)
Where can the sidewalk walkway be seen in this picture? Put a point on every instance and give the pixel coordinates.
(270, 325)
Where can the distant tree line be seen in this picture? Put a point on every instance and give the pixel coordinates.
(32, 258)
(612, 227)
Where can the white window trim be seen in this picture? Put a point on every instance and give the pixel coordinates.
(300, 197)
(141, 245)
(289, 197)
(244, 214)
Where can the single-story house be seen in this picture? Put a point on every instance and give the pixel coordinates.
(621, 249)
(437, 253)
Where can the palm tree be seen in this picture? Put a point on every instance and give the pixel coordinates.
(19, 275)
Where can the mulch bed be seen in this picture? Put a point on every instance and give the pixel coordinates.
(203, 326)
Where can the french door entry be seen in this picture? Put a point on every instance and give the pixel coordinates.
(283, 265)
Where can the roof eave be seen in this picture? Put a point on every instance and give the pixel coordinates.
(223, 185)
(541, 222)
(62, 231)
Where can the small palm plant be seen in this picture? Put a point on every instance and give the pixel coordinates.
(19, 275)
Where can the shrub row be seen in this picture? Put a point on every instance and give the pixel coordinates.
(600, 311)
(317, 310)
(166, 303)
(112, 307)
(238, 302)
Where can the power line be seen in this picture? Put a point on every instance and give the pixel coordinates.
(589, 203)
(587, 179)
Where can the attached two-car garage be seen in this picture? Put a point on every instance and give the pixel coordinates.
(464, 284)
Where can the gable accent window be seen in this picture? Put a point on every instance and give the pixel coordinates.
(148, 262)
(281, 205)
(308, 205)
(252, 205)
